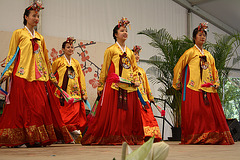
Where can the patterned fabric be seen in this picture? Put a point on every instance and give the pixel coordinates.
(224, 138)
(152, 131)
(71, 79)
(144, 87)
(112, 55)
(32, 115)
(150, 124)
(33, 66)
(203, 123)
(209, 74)
(112, 125)
(76, 86)
(122, 99)
(43, 134)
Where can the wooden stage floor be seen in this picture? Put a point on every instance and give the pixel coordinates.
(79, 152)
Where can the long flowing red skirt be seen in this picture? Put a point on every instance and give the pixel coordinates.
(112, 125)
(202, 124)
(32, 115)
(150, 124)
(74, 116)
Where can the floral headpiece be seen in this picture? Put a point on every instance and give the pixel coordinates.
(137, 49)
(37, 6)
(124, 22)
(70, 40)
(203, 27)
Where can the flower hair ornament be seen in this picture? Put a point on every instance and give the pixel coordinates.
(37, 6)
(70, 40)
(203, 27)
(137, 49)
(124, 22)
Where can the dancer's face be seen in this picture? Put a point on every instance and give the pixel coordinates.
(32, 18)
(122, 34)
(200, 38)
(68, 50)
(137, 56)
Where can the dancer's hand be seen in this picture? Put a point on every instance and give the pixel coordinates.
(136, 84)
(4, 78)
(99, 93)
(85, 97)
(55, 83)
(215, 86)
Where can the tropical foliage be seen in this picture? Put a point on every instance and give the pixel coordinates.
(231, 98)
(223, 50)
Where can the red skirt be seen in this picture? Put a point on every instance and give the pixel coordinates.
(112, 125)
(32, 115)
(202, 124)
(74, 116)
(150, 124)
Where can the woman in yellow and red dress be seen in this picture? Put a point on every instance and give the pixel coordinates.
(203, 120)
(31, 115)
(71, 79)
(150, 124)
(118, 116)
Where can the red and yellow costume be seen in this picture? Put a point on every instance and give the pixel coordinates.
(74, 115)
(150, 124)
(32, 115)
(118, 116)
(203, 120)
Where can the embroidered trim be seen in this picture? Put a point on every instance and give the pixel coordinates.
(152, 131)
(33, 35)
(208, 138)
(32, 134)
(123, 50)
(201, 51)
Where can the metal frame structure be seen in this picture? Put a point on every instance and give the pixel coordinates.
(190, 5)
(163, 117)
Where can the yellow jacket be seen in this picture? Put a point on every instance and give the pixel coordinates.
(144, 87)
(75, 88)
(112, 55)
(191, 58)
(29, 62)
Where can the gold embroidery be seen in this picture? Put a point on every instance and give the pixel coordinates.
(11, 136)
(66, 135)
(32, 134)
(209, 138)
(151, 131)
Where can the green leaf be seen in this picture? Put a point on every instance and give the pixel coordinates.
(142, 152)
